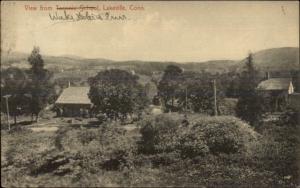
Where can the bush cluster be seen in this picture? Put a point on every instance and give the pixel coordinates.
(159, 134)
(165, 134)
(226, 134)
(107, 148)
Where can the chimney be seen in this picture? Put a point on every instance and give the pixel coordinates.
(132, 72)
(291, 88)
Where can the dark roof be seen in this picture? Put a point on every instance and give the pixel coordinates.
(74, 95)
(275, 84)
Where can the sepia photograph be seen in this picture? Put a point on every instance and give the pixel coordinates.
(150, 94)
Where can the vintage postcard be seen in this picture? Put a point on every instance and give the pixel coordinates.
(150, 94)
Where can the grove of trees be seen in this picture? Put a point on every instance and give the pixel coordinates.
(14, 86)
(117, 94)
(30, 90)
(191, 91)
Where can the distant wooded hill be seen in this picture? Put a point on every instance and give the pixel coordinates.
(275, 59)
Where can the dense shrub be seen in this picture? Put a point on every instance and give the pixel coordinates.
(159, 133)
(225, 134)
(166, 140)
(106, 147)
(191, 143)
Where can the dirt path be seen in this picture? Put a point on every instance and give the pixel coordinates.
(55, 123)
(39, 129)
(130, 127)
(47, 125)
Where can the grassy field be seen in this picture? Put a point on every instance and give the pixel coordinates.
(84, 154)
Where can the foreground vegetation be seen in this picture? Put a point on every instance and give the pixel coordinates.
(164, 150)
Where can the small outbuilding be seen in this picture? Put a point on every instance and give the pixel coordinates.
(74, 101)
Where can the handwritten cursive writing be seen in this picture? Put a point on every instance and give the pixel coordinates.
(86, 15)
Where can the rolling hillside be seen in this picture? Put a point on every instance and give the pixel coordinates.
(275, 59)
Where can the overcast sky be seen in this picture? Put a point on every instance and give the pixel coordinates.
(164, 31)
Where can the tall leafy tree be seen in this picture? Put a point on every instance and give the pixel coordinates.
(250, 104)
(117, 93)
(13, 84)
(41, 84)
(168, 86)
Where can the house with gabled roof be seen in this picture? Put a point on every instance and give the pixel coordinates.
(73, 101)
(278, 90)
(277, 85)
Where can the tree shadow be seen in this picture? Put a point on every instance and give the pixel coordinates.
(92, 124)
(21, 124)
(80, 125)
(24, 123)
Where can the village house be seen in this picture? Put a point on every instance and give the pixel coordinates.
(73, 101)
(278, 90)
